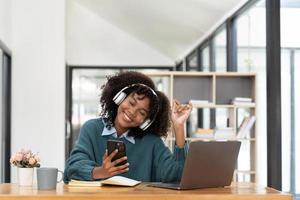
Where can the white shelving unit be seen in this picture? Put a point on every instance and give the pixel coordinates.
(218, 89)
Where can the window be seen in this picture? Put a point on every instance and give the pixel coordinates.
(286, 117)
(219, 44)
(290, 95)
(179, 66)
(297, 119)
(251, 57)
(205, 59)
(192, 62)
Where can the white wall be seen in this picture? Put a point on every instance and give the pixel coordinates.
(91, 40)
(38, 79)
(5, 22)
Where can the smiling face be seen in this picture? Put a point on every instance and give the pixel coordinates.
(132, 112)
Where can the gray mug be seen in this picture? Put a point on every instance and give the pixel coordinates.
(47, 178)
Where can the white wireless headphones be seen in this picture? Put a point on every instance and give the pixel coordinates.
(121, 95)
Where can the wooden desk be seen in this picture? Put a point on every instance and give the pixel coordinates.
(142, 191)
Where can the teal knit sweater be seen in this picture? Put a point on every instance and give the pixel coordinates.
(149, 159)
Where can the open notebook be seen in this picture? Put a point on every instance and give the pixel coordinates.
(115, 180)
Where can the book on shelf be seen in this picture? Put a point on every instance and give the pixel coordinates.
(203, 133)
(115, 180)
(226, 133)
(195, 102)
(242, 101)
(245, 127)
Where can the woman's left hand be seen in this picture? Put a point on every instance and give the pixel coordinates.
(180, 112)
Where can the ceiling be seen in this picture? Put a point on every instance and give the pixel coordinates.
(172, 27)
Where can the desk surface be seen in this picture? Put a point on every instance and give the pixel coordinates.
(237, 191)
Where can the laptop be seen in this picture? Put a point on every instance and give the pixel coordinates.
(208, 164)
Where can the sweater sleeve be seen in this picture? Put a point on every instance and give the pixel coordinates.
(82, 160)
(169, 166)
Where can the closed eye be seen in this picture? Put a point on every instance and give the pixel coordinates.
(143, 113)
(132, 102)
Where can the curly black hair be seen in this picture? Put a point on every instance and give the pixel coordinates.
(160, 105)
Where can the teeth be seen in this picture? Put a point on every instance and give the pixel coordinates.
(126, 116)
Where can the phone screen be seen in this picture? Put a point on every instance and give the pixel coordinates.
(115, 144)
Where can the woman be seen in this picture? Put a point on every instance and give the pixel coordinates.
(137, 114)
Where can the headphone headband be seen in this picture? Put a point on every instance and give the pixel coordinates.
(140, 84)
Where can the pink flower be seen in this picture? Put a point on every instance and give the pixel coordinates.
(18, 156)
(12, 159)
(26, 151)
(25, 158)
(37, 158)
(32, 161)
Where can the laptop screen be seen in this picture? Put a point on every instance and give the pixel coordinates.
(210, 164)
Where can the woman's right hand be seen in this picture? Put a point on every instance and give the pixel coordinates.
(109, 167)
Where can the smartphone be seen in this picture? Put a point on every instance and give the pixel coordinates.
(116, 144)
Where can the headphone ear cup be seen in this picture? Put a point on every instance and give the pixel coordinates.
(145, 124)
(119, 97)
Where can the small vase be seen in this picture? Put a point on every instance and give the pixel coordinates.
(25, 176)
